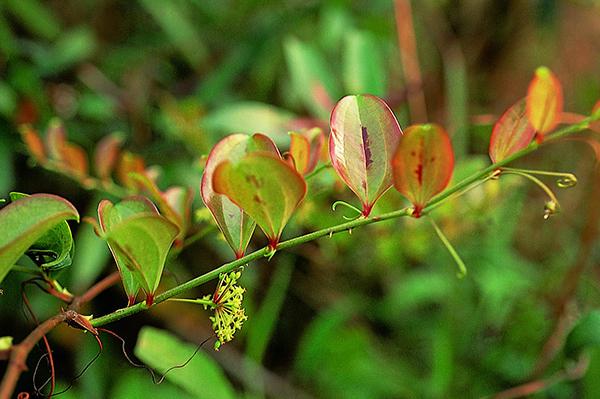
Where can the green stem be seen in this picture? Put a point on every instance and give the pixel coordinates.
(462, 268)
(198, 301)
(227, 267)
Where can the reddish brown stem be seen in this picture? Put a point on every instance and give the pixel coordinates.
(20, 352)
(533, 387)
(410, 61)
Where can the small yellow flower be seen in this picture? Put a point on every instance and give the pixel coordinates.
(227, 304)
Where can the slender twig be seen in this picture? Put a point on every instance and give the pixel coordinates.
(95, 290)
(20, 352)
(410, 60)
(569, 374)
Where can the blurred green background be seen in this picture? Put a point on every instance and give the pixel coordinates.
(375, 314)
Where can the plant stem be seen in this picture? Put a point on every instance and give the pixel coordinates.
(206, 302)
(227, 267)
(462, 269)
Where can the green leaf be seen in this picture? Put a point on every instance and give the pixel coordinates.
(174, 19)
(511, 133)
(135, 385)
(363, 64)
(53, 251)
(143, 242)
(585, 334)
(265, 187)
(26, 220)
(312, 80)
(423, 164)
(248, 117)
(106, 155)
(201, 377)
(36, 17)
(112, 217)
(71, 48)
(235, 225)
(364, 136)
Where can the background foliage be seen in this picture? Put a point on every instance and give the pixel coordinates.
(375, 314)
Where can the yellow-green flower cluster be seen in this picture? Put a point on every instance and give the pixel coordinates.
(227, 304)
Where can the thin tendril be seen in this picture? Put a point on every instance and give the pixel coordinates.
(565, 180)
(36, 321)
(349, 206)
(554, 204)
(156, 380)
(82, 372)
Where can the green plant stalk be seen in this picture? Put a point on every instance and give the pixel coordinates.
(206, 302)
(462, 268)
(227, 267)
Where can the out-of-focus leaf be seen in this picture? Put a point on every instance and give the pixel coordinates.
(5, 343)
(106, 155)
(36, 17)
(24, 221)
(110, 215)
(135, 385)
(249, 117)
(457, 97)
(91, 256)
(8, 99)
(333, 25)
(71, 158)
(34, 143)
(306, 149)
(173, 18)
(201, 377)
(265, 187)
(262, 324)
(7, 170)
(544, 102)
(142, 242)
(363, 65)
(343, 361)
(71, 48)
(8, 42)
(155, 194)
(129, 163)
(423, 164)
(364, 136)
(511, 133)
(585, 334)
(54, 250)
(75, 160)
(56, 137)
(235, 225)
(182, 119)
(312, 80)
(179, 199)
